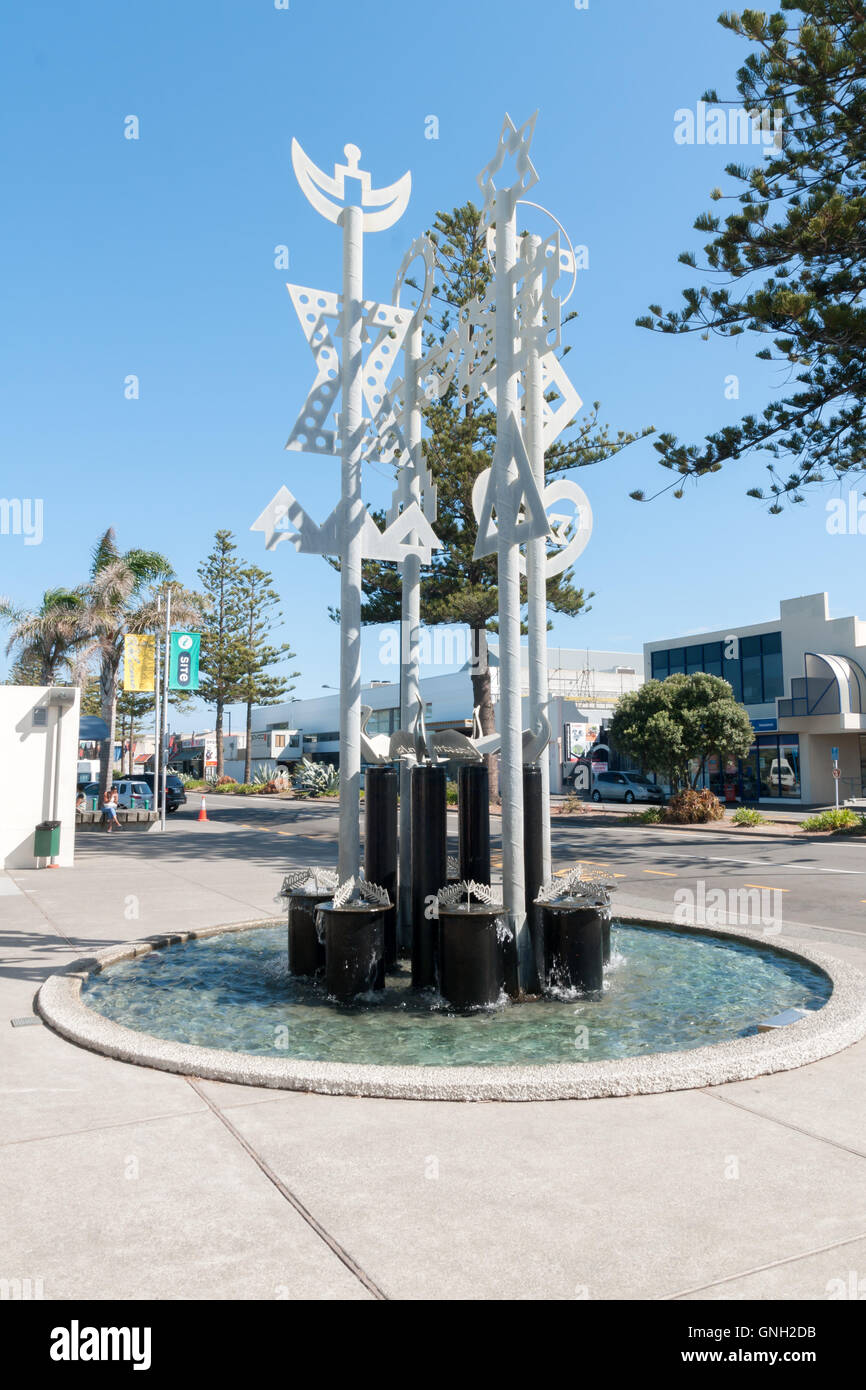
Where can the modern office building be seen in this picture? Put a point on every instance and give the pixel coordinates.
(584, 687)
(801, 679)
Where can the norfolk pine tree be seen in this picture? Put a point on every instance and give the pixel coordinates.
(255, 684)
(222, 640)
(790, 261)
(455, 587)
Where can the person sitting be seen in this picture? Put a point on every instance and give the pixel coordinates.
(109, 811)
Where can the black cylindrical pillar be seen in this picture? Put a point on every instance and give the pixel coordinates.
(354, 949)
(429, 868)
(470, 957)
(473, 822)
(574, 945)
(533, 866)
(380, 845)
(306, 951)
(605, 938)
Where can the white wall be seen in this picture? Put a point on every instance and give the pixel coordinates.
(28, 764)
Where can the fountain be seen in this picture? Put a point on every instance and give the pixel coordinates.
(519, 988)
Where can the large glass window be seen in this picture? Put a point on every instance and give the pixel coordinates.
(660, 666)
(713, 658)
(750, 660)
(789, 767)
(694, 660)
(677, 661)
(771, 660)
(733, 674)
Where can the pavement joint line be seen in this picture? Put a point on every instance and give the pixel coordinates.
(783, 1124)
(295, 1202)
(96, 1129)
(759, 1269)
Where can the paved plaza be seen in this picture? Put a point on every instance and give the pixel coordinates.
(124, 1182)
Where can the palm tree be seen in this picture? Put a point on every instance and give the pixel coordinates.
(123, 598)
(50, 637)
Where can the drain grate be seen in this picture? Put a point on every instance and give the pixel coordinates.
(31, 1021)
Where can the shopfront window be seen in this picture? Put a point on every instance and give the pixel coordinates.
(750, 656)
(789, 767)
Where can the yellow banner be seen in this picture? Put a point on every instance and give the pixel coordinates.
(139, 662)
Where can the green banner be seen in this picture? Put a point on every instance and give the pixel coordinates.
(183, 660)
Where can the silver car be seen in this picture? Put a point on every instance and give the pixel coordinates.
(626, 786)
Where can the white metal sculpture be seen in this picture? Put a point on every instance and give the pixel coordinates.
(505, 337)
(348, 199)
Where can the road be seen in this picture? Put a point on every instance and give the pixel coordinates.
(815, 885)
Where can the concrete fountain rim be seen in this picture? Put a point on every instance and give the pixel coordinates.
(837, 1025)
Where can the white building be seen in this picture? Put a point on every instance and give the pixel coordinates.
(584, 687)
(801, 678)
(38, 757)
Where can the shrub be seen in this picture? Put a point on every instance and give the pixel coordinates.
(226, 781)
(315, 779)
(572, 805)
(691, 807)
(651, 816)
(842, 819)
(451, 793)
(745, 815)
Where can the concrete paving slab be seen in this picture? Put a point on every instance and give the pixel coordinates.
(826, 1098)
(49, 1088)
(170, 1209)
(632, 1198)
(837, 1274)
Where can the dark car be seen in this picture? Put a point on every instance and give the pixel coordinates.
(174, 791)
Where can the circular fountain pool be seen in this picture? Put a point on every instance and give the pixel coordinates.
(680, 1008)
(664, 991)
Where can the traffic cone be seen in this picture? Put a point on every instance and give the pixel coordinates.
(202, 814)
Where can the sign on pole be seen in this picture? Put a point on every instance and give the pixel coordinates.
(183, 660)
(139, 662)
(834, 754)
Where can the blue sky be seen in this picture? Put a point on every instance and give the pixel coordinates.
(155, 257)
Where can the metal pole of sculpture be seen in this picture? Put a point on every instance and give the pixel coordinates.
(414, 486)
(536, 549)
(508, 571)
(351, 418)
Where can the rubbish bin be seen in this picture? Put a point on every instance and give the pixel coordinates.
(46, 839)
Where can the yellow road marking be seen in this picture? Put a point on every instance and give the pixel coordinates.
(659, 873)
(767, 886)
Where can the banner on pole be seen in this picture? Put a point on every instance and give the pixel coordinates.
(139, 662)
(183, 660)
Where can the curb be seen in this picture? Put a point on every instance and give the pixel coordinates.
(839, 1024)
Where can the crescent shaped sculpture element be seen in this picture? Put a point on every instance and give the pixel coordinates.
(559, 490)
(327, 193)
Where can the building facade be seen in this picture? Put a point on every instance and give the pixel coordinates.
(801, 679)
(584, 687)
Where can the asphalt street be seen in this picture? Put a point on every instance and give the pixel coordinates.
(811, 882)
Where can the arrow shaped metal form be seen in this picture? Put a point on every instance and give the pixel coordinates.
(528, 499)
(285, 519)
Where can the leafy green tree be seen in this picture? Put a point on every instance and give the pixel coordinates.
(258, 614)
(789, 263)
(222, 633)
(668, 725)
(455, 587)
(48, 637)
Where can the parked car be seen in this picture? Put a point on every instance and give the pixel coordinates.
(175, 794)
(133, 794)
(626, 786)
